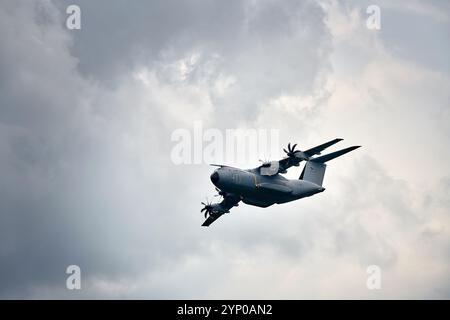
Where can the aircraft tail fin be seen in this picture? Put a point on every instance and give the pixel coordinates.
(314, 169)
(313, 172)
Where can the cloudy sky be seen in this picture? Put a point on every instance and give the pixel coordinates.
(86, 118)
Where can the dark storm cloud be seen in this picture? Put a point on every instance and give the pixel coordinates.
(70, 193)
(118, 35)
(50, 153)
(245, 40)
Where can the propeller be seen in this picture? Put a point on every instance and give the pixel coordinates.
(291, 150)
(208, 208)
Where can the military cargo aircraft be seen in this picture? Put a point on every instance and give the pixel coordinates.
(264, 186)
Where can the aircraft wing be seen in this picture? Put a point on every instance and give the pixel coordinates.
(218, 209)
(211, 218)
(299, 156)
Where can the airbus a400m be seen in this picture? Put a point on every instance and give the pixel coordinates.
(264, 186)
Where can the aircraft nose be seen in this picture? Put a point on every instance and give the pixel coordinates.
(215, 177)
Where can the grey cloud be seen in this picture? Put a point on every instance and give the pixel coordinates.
(247, 41)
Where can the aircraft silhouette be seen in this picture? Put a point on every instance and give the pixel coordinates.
(264, 186)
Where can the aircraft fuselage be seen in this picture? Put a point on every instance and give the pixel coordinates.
(262, 190)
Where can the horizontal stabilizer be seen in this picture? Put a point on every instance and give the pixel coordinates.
(320, 148)
(333, 155)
